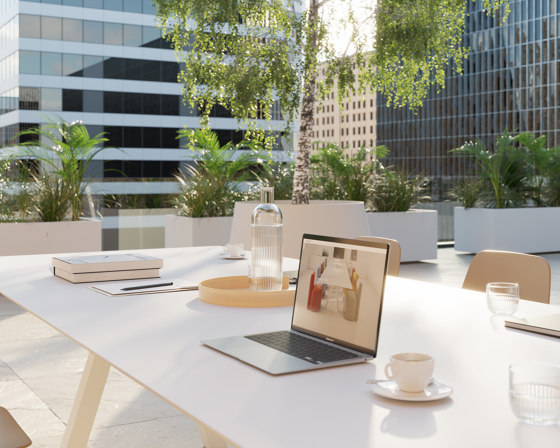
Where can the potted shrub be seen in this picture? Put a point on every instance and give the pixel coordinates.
(209, 189)
(57, 155)
(512, 204)
(392, 194)
(338, 191)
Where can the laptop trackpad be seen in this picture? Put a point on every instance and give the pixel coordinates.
(261, 356)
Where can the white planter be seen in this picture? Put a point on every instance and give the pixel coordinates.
(26, 238)
(140, 228)
(182, 231)
(336, 218)
(528, 230)
(415, 230)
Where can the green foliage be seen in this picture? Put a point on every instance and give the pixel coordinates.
(210, 187)
(467, 192)
(552, 185)
(278, 175)
(541, 163)
(51, 199)
(337, 176)
(129, 201)
(505, 169)
(245, 54)
(396, 191)
(15, 191)
(64, 150)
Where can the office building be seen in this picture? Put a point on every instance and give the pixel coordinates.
(350, 128)
(511, 82)
(105, 63)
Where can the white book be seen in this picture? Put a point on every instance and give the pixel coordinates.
(104, 276)
(110, 262)
(548, 325)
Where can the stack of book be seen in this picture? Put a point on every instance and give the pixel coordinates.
(101, 268)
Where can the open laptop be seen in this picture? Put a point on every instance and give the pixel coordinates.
(336, 313)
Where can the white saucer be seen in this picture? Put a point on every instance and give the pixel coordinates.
(227, 257)
(434, 391)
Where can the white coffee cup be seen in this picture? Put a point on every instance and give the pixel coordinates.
(411, 371)
(234, 250)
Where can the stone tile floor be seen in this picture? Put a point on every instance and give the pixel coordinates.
(40, 371)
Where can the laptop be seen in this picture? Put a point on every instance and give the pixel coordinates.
(336, 313)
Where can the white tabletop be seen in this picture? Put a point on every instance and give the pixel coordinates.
(155, 340)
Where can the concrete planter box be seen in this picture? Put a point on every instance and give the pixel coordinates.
(183, 231)
(529, 230)
(26, 238)
(416, 231)
(139, 228)
(336, 218)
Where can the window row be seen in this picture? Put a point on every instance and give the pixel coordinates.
(49, 99)
(75, 30)
(66, 64)
(139, 169)
(138, 6)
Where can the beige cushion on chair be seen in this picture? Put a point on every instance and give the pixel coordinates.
(531, 272)
(394, 252)
(11, 435)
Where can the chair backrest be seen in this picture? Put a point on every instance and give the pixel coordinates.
(531, 272)
(11, 434)
(394, 252)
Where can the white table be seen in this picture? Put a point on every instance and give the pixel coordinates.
(154, 339)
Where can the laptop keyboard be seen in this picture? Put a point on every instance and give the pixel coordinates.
(302, 347)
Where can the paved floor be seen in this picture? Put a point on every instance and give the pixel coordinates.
(40, 371)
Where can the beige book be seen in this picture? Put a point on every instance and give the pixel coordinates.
(107, 262)
(104, 276)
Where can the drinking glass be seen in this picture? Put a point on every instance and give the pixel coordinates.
(502, 298)
(534, 393)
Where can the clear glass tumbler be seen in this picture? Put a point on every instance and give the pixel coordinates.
(502, 298)
(534, 393)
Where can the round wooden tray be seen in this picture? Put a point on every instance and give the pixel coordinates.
(234, 291)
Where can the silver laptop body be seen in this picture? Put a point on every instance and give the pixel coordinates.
(337, 310)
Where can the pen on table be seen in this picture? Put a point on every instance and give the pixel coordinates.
(130, 288)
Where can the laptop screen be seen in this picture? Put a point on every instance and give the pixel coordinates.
(340, 291)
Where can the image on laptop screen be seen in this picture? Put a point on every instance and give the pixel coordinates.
(339, 294)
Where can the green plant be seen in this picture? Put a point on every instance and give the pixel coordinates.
(552, 185)
(278, 175)
(51, 199)
(337, 176)
(65, 151)
(210, 187)
(543, 167)
(467, 191)
(506, 169)
(396, 191)
(128, 201)
(15, 191)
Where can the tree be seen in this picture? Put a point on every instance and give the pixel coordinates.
(246, 55)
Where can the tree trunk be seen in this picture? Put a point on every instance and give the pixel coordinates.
(300, 193)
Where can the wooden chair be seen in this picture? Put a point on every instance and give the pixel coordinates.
(531, 272)
(11, 434)
(394, 252)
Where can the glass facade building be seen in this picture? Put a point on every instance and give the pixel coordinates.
(105, 63)
(511, 82)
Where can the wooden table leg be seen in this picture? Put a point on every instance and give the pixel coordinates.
(210, 438)
(86, 402)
